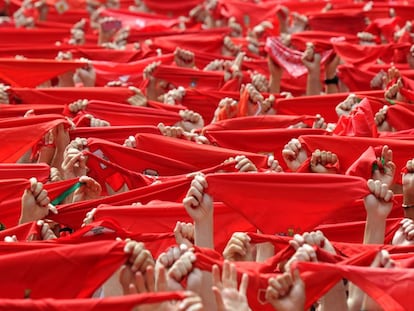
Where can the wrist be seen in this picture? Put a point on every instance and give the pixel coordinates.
(334, 80)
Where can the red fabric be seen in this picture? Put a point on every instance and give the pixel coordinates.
(209, 41)
(67, 95)
(190, 78)
(115, 176)
(48, 51)
(115, 134)
(360, 122)
(131, 73)
(282, 197)
(32, 37)
(141, 20)
(386, 286)
(108, 55)
(323, 105)
(322, 39)
(121, 114)
(259, 122)
(191, 153)
(364, 164)
(32, 72)
(81, 270)
(346, 21)
(172, 190)
(121, 303)
(181, 8)
(347, 157)
(11, 205)
(109, 229)
(355, 77)
(14, 170)
(248, 14)
(8, 187)
(18, 135)
(161, 217)
(10, 111)
(363, 54)
(25, 232)
(262, 141)
(205, 102)
(385, 27)
(290, 60)
(353, 232)
(400, 117)
(139, 160)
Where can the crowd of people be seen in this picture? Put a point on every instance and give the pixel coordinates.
(206, 155)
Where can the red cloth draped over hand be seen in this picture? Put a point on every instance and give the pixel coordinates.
(360, 122)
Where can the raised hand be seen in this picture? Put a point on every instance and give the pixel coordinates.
(228, 296)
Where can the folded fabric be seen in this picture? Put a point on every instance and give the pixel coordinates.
(360, 122)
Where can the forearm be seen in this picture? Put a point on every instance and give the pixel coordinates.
(206, 292)
(355, 299)
(274, 84)
(374, 230)
(335, 299)
(204, 233)
(313, 84)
